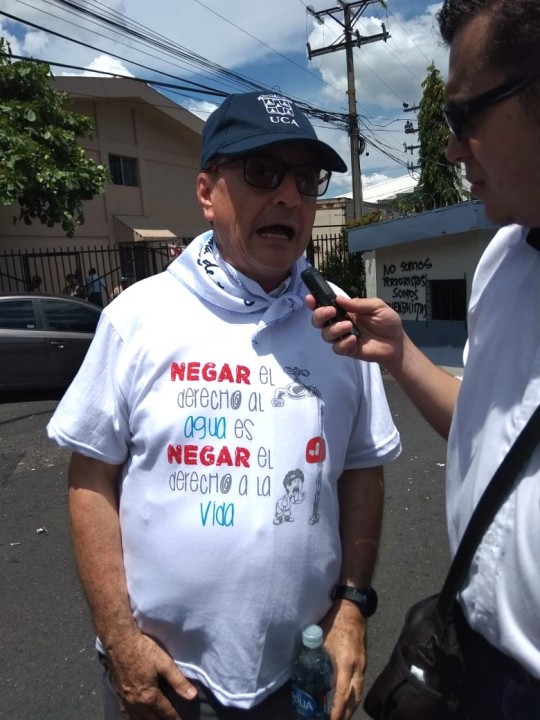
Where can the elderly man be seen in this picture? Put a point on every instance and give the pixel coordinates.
(204, 388)
(493, 110)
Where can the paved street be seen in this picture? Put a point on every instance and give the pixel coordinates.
(49, 670)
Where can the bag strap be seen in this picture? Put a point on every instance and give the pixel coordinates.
(492, 499)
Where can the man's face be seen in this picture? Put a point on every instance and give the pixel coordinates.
(500, 148)
(259, 232)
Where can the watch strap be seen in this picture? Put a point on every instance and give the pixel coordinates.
(364, 597)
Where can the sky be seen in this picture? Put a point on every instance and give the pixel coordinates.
(237, 45)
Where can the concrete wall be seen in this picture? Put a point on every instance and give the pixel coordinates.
(400, 275)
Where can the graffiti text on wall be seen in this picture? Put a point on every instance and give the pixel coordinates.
(407, 287)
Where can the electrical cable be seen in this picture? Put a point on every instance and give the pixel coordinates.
(123, 25)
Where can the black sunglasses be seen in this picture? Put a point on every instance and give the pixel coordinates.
(267, 173)
(458, 115)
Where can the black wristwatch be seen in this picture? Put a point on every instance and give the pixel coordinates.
(365, 597)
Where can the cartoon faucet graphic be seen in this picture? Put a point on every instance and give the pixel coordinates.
(316, 447)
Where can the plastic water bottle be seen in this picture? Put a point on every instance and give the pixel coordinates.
(312, 677)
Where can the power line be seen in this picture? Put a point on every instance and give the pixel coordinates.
(261, 42)
(389, 12)
(159, 83)
(93, 47)
(120, 23)
(147, 36)
(96, 13)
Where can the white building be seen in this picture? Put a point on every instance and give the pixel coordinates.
(422, 265)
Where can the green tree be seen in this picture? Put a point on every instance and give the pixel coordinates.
(440, 180)
(42, 166)
(367, 219)
(345, 269)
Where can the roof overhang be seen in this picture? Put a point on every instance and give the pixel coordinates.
(141, 227)
(452, 220)
(129, 89)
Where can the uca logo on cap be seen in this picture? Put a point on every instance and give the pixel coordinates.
(279, 109)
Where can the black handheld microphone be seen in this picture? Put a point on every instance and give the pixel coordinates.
(324, 295)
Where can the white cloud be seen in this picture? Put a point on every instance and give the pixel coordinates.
(386, 73)
(108, 64)
(201, 109)
(35, 43)
(11, 39)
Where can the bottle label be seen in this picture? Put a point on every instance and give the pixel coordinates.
(317, 705)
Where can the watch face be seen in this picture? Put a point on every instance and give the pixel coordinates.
(371, 599)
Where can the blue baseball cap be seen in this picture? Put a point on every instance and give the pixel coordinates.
(251, 121)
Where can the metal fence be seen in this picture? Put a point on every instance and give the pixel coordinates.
(47, 269)
(319, 249)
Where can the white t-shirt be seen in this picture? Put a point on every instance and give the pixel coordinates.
(234, 421)
(500, 391)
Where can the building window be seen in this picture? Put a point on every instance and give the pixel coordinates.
(448, 299)
(123, 170)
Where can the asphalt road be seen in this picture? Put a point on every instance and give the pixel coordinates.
(48, 666)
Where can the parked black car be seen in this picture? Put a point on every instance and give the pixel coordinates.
(43, 339)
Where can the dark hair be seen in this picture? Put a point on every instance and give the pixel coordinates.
(35, 282)
(514, 42)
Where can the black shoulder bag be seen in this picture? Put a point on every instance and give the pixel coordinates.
(423, 679)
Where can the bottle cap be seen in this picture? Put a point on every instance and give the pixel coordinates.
(312, 637)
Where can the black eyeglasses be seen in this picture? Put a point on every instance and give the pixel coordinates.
(458, 115)
(268, 173)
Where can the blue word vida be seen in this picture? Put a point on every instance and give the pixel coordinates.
(217, 514)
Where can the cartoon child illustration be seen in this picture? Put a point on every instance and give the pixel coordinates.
(293, 483)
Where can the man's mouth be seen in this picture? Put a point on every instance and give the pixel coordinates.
(277, 232)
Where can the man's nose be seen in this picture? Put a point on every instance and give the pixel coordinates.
(287, 191)
(457, 149)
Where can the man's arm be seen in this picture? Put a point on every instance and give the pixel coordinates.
(433, 391)
(383, 340)
(361, 496)
(136, 661)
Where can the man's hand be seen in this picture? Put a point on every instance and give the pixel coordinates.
(344, 628)
(380, 327)
(136, 665)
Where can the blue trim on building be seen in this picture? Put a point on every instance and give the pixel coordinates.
(443, 222)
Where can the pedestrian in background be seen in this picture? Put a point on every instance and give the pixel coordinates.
(94, 287)
(73, 287)
(35, 284)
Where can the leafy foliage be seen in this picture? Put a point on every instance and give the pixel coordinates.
(345, 269)
(42, 166)
(367, 219)
(440, 180)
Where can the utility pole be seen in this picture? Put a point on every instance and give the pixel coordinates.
(409, 127)
(410, 147)
(411, 130)
(352, 38)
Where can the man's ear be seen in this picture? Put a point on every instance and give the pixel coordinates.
(204, 195)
